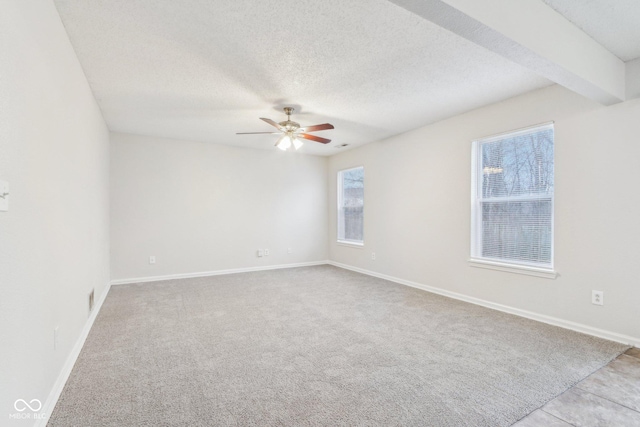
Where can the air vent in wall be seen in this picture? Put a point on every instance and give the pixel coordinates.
(91, 300)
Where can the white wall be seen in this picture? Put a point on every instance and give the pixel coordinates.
(54, 239)
(417, 209)
(201, 207)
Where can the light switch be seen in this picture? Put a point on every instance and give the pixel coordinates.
(4, 196)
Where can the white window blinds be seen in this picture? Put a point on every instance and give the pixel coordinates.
(512, 198)
(351, 205)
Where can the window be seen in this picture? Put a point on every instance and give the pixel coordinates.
(351, 206)
(512, 200)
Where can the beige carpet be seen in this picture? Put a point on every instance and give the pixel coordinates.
(314, 346)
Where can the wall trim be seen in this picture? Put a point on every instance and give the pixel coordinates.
(513, 268)
(566, 324)
(214, 273)
(63, 376)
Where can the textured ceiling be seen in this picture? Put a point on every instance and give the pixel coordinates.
(615, 24)
(202, 70)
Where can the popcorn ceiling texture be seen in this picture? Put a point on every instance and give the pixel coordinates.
(613, 24)
(203, 70)
(315, 346)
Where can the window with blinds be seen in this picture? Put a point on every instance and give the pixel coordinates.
(512, 198)
(351, 206)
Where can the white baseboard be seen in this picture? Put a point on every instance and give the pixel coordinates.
(578, 327)
(54, 395)
(214, 273)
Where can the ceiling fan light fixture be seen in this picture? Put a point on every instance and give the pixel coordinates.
(292, 132)
(284, 143)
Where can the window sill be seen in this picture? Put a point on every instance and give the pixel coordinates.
(350, 244)
(514, 268)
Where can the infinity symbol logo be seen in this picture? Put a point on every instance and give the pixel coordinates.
(26, 405)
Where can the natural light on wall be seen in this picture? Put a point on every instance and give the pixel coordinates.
(351, 206)
(512, 200)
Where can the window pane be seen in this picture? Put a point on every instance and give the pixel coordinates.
(512, 213)
(353, 204)
(517, 230)
(518, 165)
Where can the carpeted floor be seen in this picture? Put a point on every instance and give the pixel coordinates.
(314, 346)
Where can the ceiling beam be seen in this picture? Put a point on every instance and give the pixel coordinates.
(532, 34)
(633, 79)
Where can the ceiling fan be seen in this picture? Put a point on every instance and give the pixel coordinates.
(292, 132)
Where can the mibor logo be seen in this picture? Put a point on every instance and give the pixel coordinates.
(27, 410)
(21, 405)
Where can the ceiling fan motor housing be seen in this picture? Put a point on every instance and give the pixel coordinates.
(289, 125)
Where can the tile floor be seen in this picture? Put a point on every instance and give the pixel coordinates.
(608, 397)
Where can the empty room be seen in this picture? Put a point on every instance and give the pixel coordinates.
(320, 213)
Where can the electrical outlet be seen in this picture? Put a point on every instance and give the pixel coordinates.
(289, 250)
(597, 297)
(260, 252)
(55, 337)
(373, 255)
(152, 259)
(266, 252)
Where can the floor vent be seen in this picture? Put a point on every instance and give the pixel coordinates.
(91, 300)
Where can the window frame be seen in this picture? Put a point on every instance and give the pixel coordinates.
(513, 266)
(340, 202)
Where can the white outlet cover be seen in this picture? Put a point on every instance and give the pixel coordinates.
(597, 297)
(4, 196)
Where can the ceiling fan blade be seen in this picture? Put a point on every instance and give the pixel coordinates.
(272, 123)
(316, 128)
(314, 138)
(256, 133)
